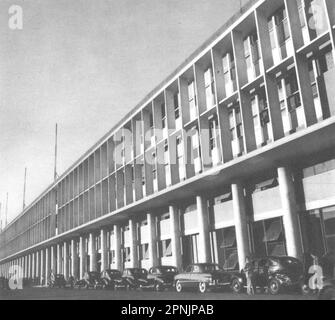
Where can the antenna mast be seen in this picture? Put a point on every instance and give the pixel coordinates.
(6, 212)
(55, 168)
(24, 189)
(0, 219)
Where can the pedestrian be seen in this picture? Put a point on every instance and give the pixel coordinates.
(249, 273)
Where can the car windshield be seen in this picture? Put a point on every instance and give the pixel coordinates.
(138, 272)
(166, 270)
(113, 272)
(210, 267)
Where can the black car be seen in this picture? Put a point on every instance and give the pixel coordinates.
(57, 281)
(91, 279)
(272, 274)
(160, 278)
(112, 279)
(134, 278)
(203, 276)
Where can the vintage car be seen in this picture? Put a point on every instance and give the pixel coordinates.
(134, 278)
(273, 274)
(91, 279)
(57, 281)
(111, 279)
(203, 276)
(160, 278)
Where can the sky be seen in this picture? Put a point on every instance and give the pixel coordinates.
(84, 64)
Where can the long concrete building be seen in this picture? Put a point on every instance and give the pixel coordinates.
(232, 155)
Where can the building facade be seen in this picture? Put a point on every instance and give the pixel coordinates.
(232, 155)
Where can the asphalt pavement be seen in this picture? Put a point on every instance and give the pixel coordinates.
(91, 294)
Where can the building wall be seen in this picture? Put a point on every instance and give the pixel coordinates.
(262, 80)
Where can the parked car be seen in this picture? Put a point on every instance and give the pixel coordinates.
(133, 278)
(328, 290)
(273, 274)
(91, 279)
(57, 281)
(112, 279)
(203, 276)
(160, 278)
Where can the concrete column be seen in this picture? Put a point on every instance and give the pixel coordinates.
(37, 267)
(53, 260)
(152, 240)
(241, 227)
(82, 251)
(175, 237)
(26, 266)
(42, 267)
(33, 265)
(290, 216)
(133, 243)
(104, 258)
(117, 237)
(93, 253)
(29, 266)
(47, 265)
(74, 259)
(204, 250)
(59, 259)
(66, 260)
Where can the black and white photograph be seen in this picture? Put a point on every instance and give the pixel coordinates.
(167, 150)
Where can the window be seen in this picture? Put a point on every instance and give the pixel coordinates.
(176, 104)
(227, 248)
(236, 130)
(252, 56)
(180, 158)
(209, 88)
(192, 99)
(144, 251)
(265, 185)
(290, 102)
(320, 226)
(280, 35)
(213, 127)
(165, 249)
(319, 168)
(229, 73)
(268, 238)
(164, 119)
(261, 117)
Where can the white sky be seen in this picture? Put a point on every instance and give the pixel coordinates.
(84, 64)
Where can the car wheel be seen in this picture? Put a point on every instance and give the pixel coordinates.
(203, 287)
(274, 286)
(327, 294)
(179, 287)
(236, 286)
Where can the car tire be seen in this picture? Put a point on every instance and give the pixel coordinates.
(327, 294)
(203, 287)
(274, 287)
(236, 286)
(179, 286)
